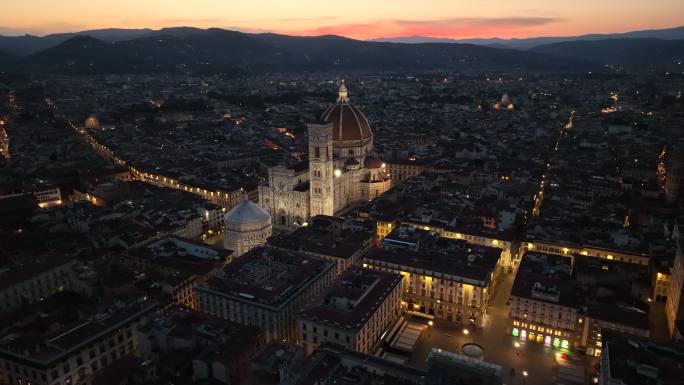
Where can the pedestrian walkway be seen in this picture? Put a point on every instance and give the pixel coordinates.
(569, 373)
(407, 337)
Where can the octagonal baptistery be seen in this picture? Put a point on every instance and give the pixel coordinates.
(352, 135)
(246, 226)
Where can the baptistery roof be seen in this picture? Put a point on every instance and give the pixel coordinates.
(349, 123)
(246, 213)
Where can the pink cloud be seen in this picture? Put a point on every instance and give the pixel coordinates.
(449, 27)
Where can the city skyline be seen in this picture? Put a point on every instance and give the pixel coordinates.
(356, 193)
(432, 18)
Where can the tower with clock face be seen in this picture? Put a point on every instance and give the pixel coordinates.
(321, 169)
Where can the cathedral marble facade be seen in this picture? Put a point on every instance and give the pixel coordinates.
(342, 169)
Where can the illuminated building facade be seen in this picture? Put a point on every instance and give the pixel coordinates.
(46, 196)
(567, 249)
(548, 323)
(49, 197)
(354, 313)
(383, 228)
(342, 169)
(674, 307)
(544, 309)
(555, 301)
(661, 285)
(400, 170)
(454, 286)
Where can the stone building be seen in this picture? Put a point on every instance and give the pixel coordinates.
(355, 312)
(266, 288)
(246, 226)
(342, 169)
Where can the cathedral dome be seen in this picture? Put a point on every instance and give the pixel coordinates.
(349, 123)
(246, 213)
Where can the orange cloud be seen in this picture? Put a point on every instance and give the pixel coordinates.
(449, 28)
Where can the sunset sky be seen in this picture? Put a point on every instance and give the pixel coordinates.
(360, 19)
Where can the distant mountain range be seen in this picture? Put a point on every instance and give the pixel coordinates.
(631, 52)
(185, 48)
(223, 50)
(29, 44)
(676, 33)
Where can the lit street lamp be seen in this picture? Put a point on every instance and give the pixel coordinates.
(466, 332)
(525, 374)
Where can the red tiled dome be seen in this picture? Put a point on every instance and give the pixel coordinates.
(349, 123)
(372, 162)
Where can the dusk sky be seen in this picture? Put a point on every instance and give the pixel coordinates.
(360, 19)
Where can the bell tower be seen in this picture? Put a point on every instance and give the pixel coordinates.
(321, 169)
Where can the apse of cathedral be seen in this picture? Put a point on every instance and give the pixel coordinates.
(342, 169)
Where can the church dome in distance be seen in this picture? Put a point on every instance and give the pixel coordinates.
(246, 213)
(349, 123)
(92, 123)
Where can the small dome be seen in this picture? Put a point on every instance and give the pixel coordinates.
(246, 213)
(349, 123)
(372, 162)
(92, 122)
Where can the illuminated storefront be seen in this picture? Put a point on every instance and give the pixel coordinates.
(541, 335)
